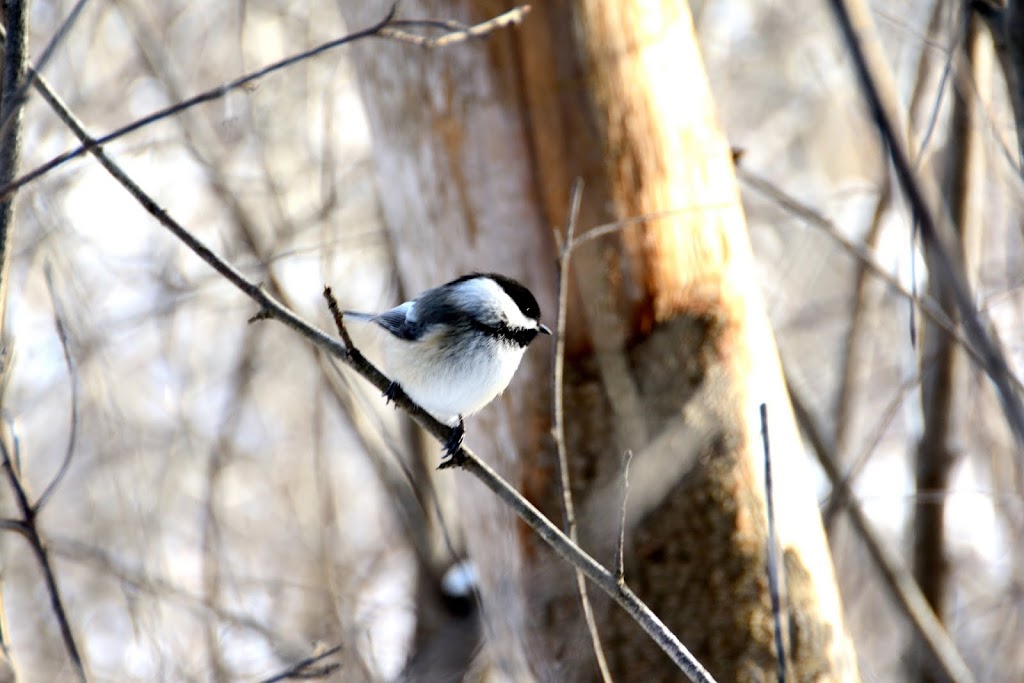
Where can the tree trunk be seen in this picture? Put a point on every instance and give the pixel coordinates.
(669, 352)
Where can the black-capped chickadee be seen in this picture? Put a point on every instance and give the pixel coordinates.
(454, 348)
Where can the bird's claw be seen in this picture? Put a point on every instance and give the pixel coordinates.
(452, 447)
(391, 392)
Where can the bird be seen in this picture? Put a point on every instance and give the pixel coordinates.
(454, 348)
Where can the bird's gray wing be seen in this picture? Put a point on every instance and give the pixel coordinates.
(401, 321)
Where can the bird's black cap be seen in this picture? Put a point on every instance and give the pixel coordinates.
(515, 290)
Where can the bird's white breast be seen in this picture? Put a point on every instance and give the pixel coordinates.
(447, 384)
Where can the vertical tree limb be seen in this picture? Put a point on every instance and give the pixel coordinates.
(943, 375)
(15, 49)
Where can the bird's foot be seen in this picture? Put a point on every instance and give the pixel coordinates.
(391, 392)
(453, 456)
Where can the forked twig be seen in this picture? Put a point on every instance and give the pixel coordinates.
(27, 527)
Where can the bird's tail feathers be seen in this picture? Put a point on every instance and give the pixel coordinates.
(359, 317)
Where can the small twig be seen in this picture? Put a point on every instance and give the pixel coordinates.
(851, 358)
(339, 317)
(62, 334)
(303, 669)
(12, 466)
(457, 33)
(908, 122)
(772, 559)
(620, 569)
(616, 226)
(837, 499)
(558, 407)
(14, 525)
(26, 526)
(558, 361)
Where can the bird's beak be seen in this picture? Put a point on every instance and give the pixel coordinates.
(543, 329)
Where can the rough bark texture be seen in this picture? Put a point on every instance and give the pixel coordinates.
(669, 351)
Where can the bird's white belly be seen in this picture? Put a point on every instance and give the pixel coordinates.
(447, 385)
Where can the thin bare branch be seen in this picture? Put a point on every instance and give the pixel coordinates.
(62, 333)
(455, 33)
(620, 545)
(615, 226)
(852, 352)
(924, 69)
(772, 558)
(14, 525)
(944, 382)
(339, 317)
(26, 526)
(933, 118)
(307, 670)
(558, 408)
